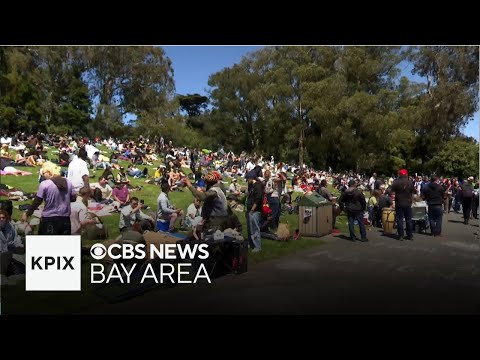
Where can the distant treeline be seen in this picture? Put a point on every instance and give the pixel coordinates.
(343, 107)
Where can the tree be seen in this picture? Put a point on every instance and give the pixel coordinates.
(450, 98)
(234, 98)
(134, 80)
(65, 96)
(194, 105)
(458, 157)
(20, 91)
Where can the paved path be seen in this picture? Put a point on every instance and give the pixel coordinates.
(384, 276)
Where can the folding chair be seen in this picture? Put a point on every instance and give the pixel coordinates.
(420, 219)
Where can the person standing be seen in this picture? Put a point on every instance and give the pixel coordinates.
(466, 194)
(57, 192)
(78, 172)
(435, 195)
(254, 210)
(271, 189)
(322, 190)
(215, 210)
(355, 205)
(475, 201)
(403, 191)
(371, 182)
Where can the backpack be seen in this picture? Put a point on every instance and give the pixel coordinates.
(266, 211)
(467, 191)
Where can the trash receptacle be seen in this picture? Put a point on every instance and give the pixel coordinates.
(315, 217)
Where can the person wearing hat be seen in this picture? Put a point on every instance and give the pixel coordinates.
(215, 206)
(218, 176)
(402, 192)
(466, 196)
(353, 202)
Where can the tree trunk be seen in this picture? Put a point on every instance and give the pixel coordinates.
(300, 150)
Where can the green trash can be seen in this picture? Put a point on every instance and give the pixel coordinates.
(315, 216)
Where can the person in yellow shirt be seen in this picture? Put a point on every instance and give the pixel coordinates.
(4, 151)
(373, 208)
(158, 174)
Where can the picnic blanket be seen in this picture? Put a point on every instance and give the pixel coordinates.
(100, 209)
(12, 171)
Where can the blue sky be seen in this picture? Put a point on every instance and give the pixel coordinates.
(194, 64)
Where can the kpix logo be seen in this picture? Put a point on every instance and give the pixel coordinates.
(53, 263)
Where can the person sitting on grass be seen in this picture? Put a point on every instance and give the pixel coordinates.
(132, 214)
(120, 195)
(122, 176)
(78, 215)
(20, 159)
(166, 211)
(194, 219)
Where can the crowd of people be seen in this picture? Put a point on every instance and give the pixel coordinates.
(65, 193)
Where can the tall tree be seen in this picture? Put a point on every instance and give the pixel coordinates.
(20, 91)
(451, 95)
(458, 157)
(194, 105)
(233, 97)
(132, 79)
(65, 102)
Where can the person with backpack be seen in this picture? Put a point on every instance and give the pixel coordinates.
(466, 195)
(435, 196)
(354, 204)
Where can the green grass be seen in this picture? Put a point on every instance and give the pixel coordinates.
(40, 302)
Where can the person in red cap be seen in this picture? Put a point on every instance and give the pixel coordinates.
(403, 190)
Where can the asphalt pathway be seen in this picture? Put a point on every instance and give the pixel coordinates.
(383, 276)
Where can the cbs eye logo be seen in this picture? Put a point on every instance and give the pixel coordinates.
(98, 251)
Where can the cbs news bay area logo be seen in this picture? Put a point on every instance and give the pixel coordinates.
(53, 263)
(133, 255)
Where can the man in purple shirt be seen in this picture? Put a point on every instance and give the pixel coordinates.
(120, 195)
(57, 193)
